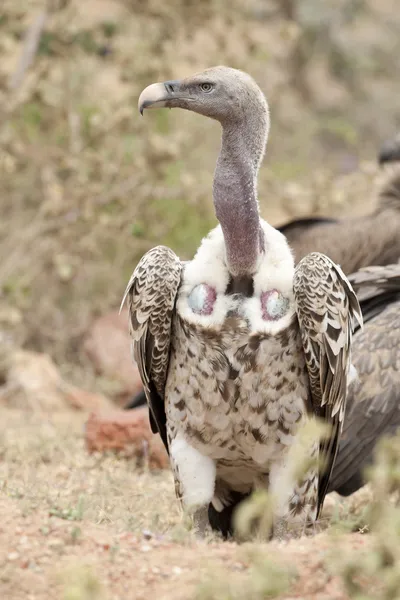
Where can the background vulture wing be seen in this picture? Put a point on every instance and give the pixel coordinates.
(373, 405)
(151, 295)
(376, 285)
(327, 308)
(294, 230)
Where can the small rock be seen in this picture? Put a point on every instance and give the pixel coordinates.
(13, 556)
(108, 346)
(86, 401)
(128, 431)
(104, 545)
(147, 534)
(55, 543)
(33, 381)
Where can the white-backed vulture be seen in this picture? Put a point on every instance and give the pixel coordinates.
(238, 348)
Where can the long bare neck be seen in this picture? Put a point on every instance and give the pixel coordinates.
(235, 193)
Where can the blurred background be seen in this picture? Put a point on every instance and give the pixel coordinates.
(87, 185)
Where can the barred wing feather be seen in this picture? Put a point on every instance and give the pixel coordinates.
(151, 295)
(327, 309)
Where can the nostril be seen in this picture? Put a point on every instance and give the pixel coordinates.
(170, 88)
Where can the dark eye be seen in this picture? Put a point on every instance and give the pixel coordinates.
(206, 87)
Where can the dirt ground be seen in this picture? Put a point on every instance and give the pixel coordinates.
(80, 527)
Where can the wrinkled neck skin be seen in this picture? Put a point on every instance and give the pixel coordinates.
(235, 195)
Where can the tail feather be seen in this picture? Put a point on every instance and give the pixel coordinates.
(136, 401)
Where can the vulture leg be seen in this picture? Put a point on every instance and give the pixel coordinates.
(294, 496)
(201, 522)
(194, 476)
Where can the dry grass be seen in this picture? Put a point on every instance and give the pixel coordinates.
(98, 527)
(44, 464)
(87, 185)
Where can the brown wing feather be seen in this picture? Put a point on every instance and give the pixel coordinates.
(373, 280)
(373, 405)
(327, 308)
(151, 294)
(376, 287)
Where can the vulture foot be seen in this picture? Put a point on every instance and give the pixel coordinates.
(280, 530)
(201, 523)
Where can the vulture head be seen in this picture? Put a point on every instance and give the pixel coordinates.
(221, 93)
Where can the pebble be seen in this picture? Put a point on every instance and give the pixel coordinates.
(13, 556)
(147, 534)
(56, 543)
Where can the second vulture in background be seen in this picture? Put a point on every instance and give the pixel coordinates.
(356, 242)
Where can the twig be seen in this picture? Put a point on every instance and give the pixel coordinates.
(29, 50)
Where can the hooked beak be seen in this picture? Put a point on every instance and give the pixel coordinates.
(158, 95)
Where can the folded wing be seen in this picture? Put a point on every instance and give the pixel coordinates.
(151, 295)
(327, 309)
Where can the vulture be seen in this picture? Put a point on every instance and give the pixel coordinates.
(238, 348)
